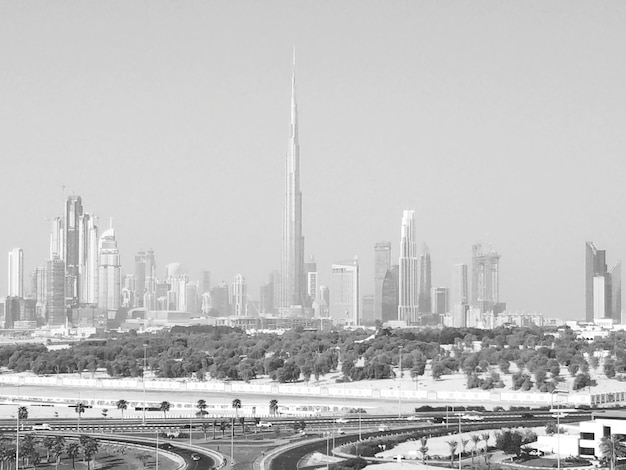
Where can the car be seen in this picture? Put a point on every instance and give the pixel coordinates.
(412, 418)
(527, 416)
(41, 427)
(472, 417)
(383, 427)
(341, 420)
(264, 425)
(340, 431)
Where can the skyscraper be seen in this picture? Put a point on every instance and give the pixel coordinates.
(293, 288)
(344, 293)
(310, 273)
(55, 292)
(240, 296)
(73, 215)
(109, 289)
(459, 284)
(425, 282)
(205, 282)
(439, 296)
(485, 279)
(140, 278)
(408, 279)
(603, 289)
(382, 263)
(390, 297)
(16, 273)
(88, 259)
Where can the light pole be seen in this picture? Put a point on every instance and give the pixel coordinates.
(17, 431)
(143, 382)
(558, 426)
(157, 449)
(460, 445)
(232, 441)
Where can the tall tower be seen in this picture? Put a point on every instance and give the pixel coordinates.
(603, 289)
(293, 291)
(55, 292)
(408, 275)
(344, 293)
(240, 296)
(382, 263)
(16, 273)
(73, 216)
(88, 259)
(425, 282)
(109, 291)
(485, 278)
(459, 284)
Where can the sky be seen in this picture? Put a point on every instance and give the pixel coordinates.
(499, 122)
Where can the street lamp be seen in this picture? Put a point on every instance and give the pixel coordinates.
(17, 431)
(558, 426)
(143, 382)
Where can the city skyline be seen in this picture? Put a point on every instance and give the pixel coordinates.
(182, 142)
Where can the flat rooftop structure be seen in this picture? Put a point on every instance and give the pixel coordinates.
(609, 414)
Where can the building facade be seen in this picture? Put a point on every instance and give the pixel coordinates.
(408, 282)
(16, 273)
(344, 293)
(109, 289)
(485, 279)
(382, 263)
(425, 282)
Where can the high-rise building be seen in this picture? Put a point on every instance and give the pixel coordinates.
(367, 310)
(73, 216)
(205, 282)
(310, 281)
(439, 296)
(57, 238)
(382, 263)
(88, 259)
(459, 285)
(220, 301)
(191, 297)
(485, 279)
(16, 273)
(603, 289)
(140, 278)
(55, 292)
(109, 289)
(425, 282)
(240, 296)
(390, 294)
(293, 288)
(408, 280)
(344, 293)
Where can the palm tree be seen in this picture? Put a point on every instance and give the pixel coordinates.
(423, 448)
(90, 448)
(59, 445)
(165, 407)
(72, 450)
(80, 409)
(453, 446)
(273, 407)
(48, 443)
(464, 443)
(205, 429)
(202, 406)
(485, 437)
(612, 447)
(122, 405)
(475, 439)
(236, 405)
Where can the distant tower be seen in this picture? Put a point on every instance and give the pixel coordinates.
(390, 295)
(425, 282)
(459, 284)
(109, 291)
(439, 296)
(382, 263)
(16, 273)
(408, 279)
(220, 302)
(485, 279)
(55, 292)
(293, 289)
(240, 296)
(73, 216)
(603, 289)
(57, 238)
(88, 260)
(205, 282)
(310, 272)
(140, 278)
(344, 293)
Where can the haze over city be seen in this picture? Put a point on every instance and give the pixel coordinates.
(497, 123)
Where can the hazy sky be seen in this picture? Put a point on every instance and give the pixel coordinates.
(502, 122)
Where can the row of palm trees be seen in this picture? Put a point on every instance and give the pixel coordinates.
(165, 406)
(31, 446)
(454, 445)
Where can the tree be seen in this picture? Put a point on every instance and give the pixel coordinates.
(205, 429)
(122, 405)
(437, 370)
(57, 450)
(72, 450)
(452, 445)
(80, 409)
(22, 414)
(236, 406)
(476, 440)
(48, 443)
(164, 407)
(424, 448)
(613, 447)
(89, 447)
(202, 406)
(143, 459)
(273, 407)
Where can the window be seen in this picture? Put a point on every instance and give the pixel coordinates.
(586, 451)
(606, 431)
(587, 436)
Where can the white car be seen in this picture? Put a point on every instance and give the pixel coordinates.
(264, 425)
(412, 418)
(383, 427)
(341, 420)
(473, 417)
(41, 427)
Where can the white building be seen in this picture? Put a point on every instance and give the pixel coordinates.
(16, 273)
(240, 296)
(109, 276)
(408, 306)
